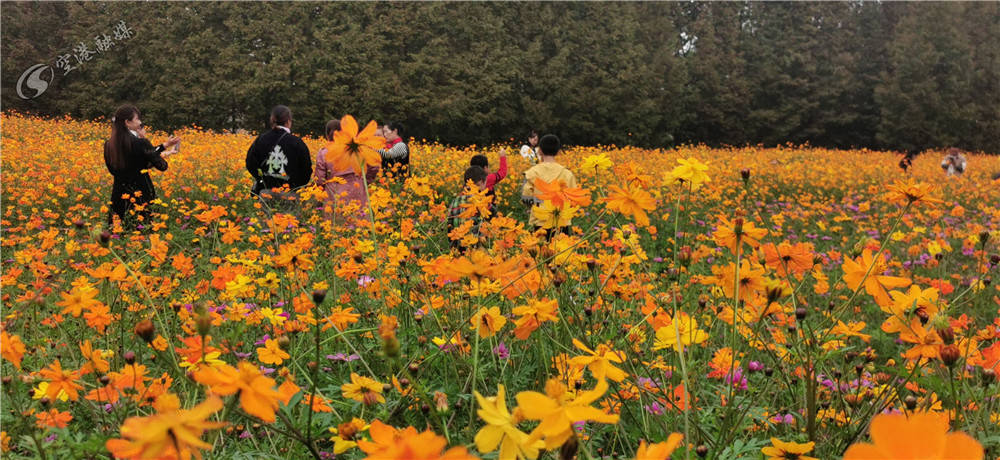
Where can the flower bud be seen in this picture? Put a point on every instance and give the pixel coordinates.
(684, 256)
(284, 342)
(390, 346)
(910, 402)
(129, 357)
(950, 354)
(947, 335)
(319, 295)
(745, 174)
(800, 313)
(203, 324)
(440, 402)
(145, 330)
(988, 375)
(984, 236)
(347, 430)
(702, 450)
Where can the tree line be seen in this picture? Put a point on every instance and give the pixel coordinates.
(899, 76)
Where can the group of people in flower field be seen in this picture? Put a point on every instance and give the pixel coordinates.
(281, 167)
(619, 355)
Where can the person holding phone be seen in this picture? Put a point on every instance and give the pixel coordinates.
(129, 156)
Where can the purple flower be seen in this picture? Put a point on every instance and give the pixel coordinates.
(655, 408)
(755, 366)
(786, 419)
(737, 379)
(343, 357)
(501, 351)
(657, 259)
(263, 340)
(365, 280)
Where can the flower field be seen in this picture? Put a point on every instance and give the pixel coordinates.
(791, 302)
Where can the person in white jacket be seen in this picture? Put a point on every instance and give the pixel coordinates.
(954, 163)
(530, 150)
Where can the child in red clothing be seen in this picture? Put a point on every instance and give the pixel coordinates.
(494, 177)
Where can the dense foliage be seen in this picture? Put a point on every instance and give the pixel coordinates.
(887, 75)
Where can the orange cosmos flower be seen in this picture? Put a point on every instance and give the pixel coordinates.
(633, 201)
(908, 191)
(733, 233)
(558, 193)
(53, 419)
(384, 437)
(751, 279)
(786, 258)
(351, 149)
(11, 348)
(876, 283)
(921, 435)
(95, 358)
(389, 443)
(340, 318)
(533, 315)
(989, 358)
(660, 450)
(79, 298)
(61, 380)
(170, 433)
(271, 353)
(258, 396)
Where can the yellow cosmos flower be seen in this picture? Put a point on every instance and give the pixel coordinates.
(691, 171)
(558, 410)
(501, 429)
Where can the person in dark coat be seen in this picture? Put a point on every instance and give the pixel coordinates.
(277, 157)
(129, 156)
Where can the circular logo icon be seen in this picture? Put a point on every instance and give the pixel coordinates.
(34, 78)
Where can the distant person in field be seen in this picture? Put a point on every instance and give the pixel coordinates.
(492, 178)
(278, 159)
(396, 154)
(954, 163)
(907, 161)
(128, 154)
(529, 151)
(547, 170)
(459, 213)
(344, 187)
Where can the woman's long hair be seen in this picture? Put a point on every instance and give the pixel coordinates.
(120, 144)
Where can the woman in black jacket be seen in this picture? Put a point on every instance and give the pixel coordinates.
(128, 156)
